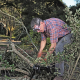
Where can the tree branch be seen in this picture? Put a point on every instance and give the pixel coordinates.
(18, 70)
(20, 55)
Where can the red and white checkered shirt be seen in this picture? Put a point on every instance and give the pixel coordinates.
(54, 28)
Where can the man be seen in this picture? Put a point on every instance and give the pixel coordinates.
(59, 36)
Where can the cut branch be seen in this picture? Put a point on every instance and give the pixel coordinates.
(9, 50)
(20, 55)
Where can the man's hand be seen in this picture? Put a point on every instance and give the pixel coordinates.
(39, 55)
(42, 54)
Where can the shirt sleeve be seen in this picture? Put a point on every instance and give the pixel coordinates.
(43, 37)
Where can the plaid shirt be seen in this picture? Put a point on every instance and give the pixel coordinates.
(54, 28)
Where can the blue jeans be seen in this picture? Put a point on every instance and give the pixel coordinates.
(60, 48)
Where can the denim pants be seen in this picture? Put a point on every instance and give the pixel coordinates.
(67, 39)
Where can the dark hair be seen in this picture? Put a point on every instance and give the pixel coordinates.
(35, 21)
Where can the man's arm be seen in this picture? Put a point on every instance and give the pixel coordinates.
(43, 43)
(52, 47)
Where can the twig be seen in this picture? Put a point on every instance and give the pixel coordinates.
(24, 52)
(25, 77)
(75, 66)
(29, 36)
(18, 70)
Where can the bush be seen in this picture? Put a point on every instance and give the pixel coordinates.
(36, 38)
(73, 50)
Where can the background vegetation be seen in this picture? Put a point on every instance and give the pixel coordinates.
(24, 11)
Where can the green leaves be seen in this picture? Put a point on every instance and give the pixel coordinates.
(6, 64)
(72, 50)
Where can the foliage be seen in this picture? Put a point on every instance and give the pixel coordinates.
(9, 62)
(36, 38)
(74, 48)
(26, 10)
(5, 64)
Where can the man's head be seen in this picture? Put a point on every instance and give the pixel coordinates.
(37, 24)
